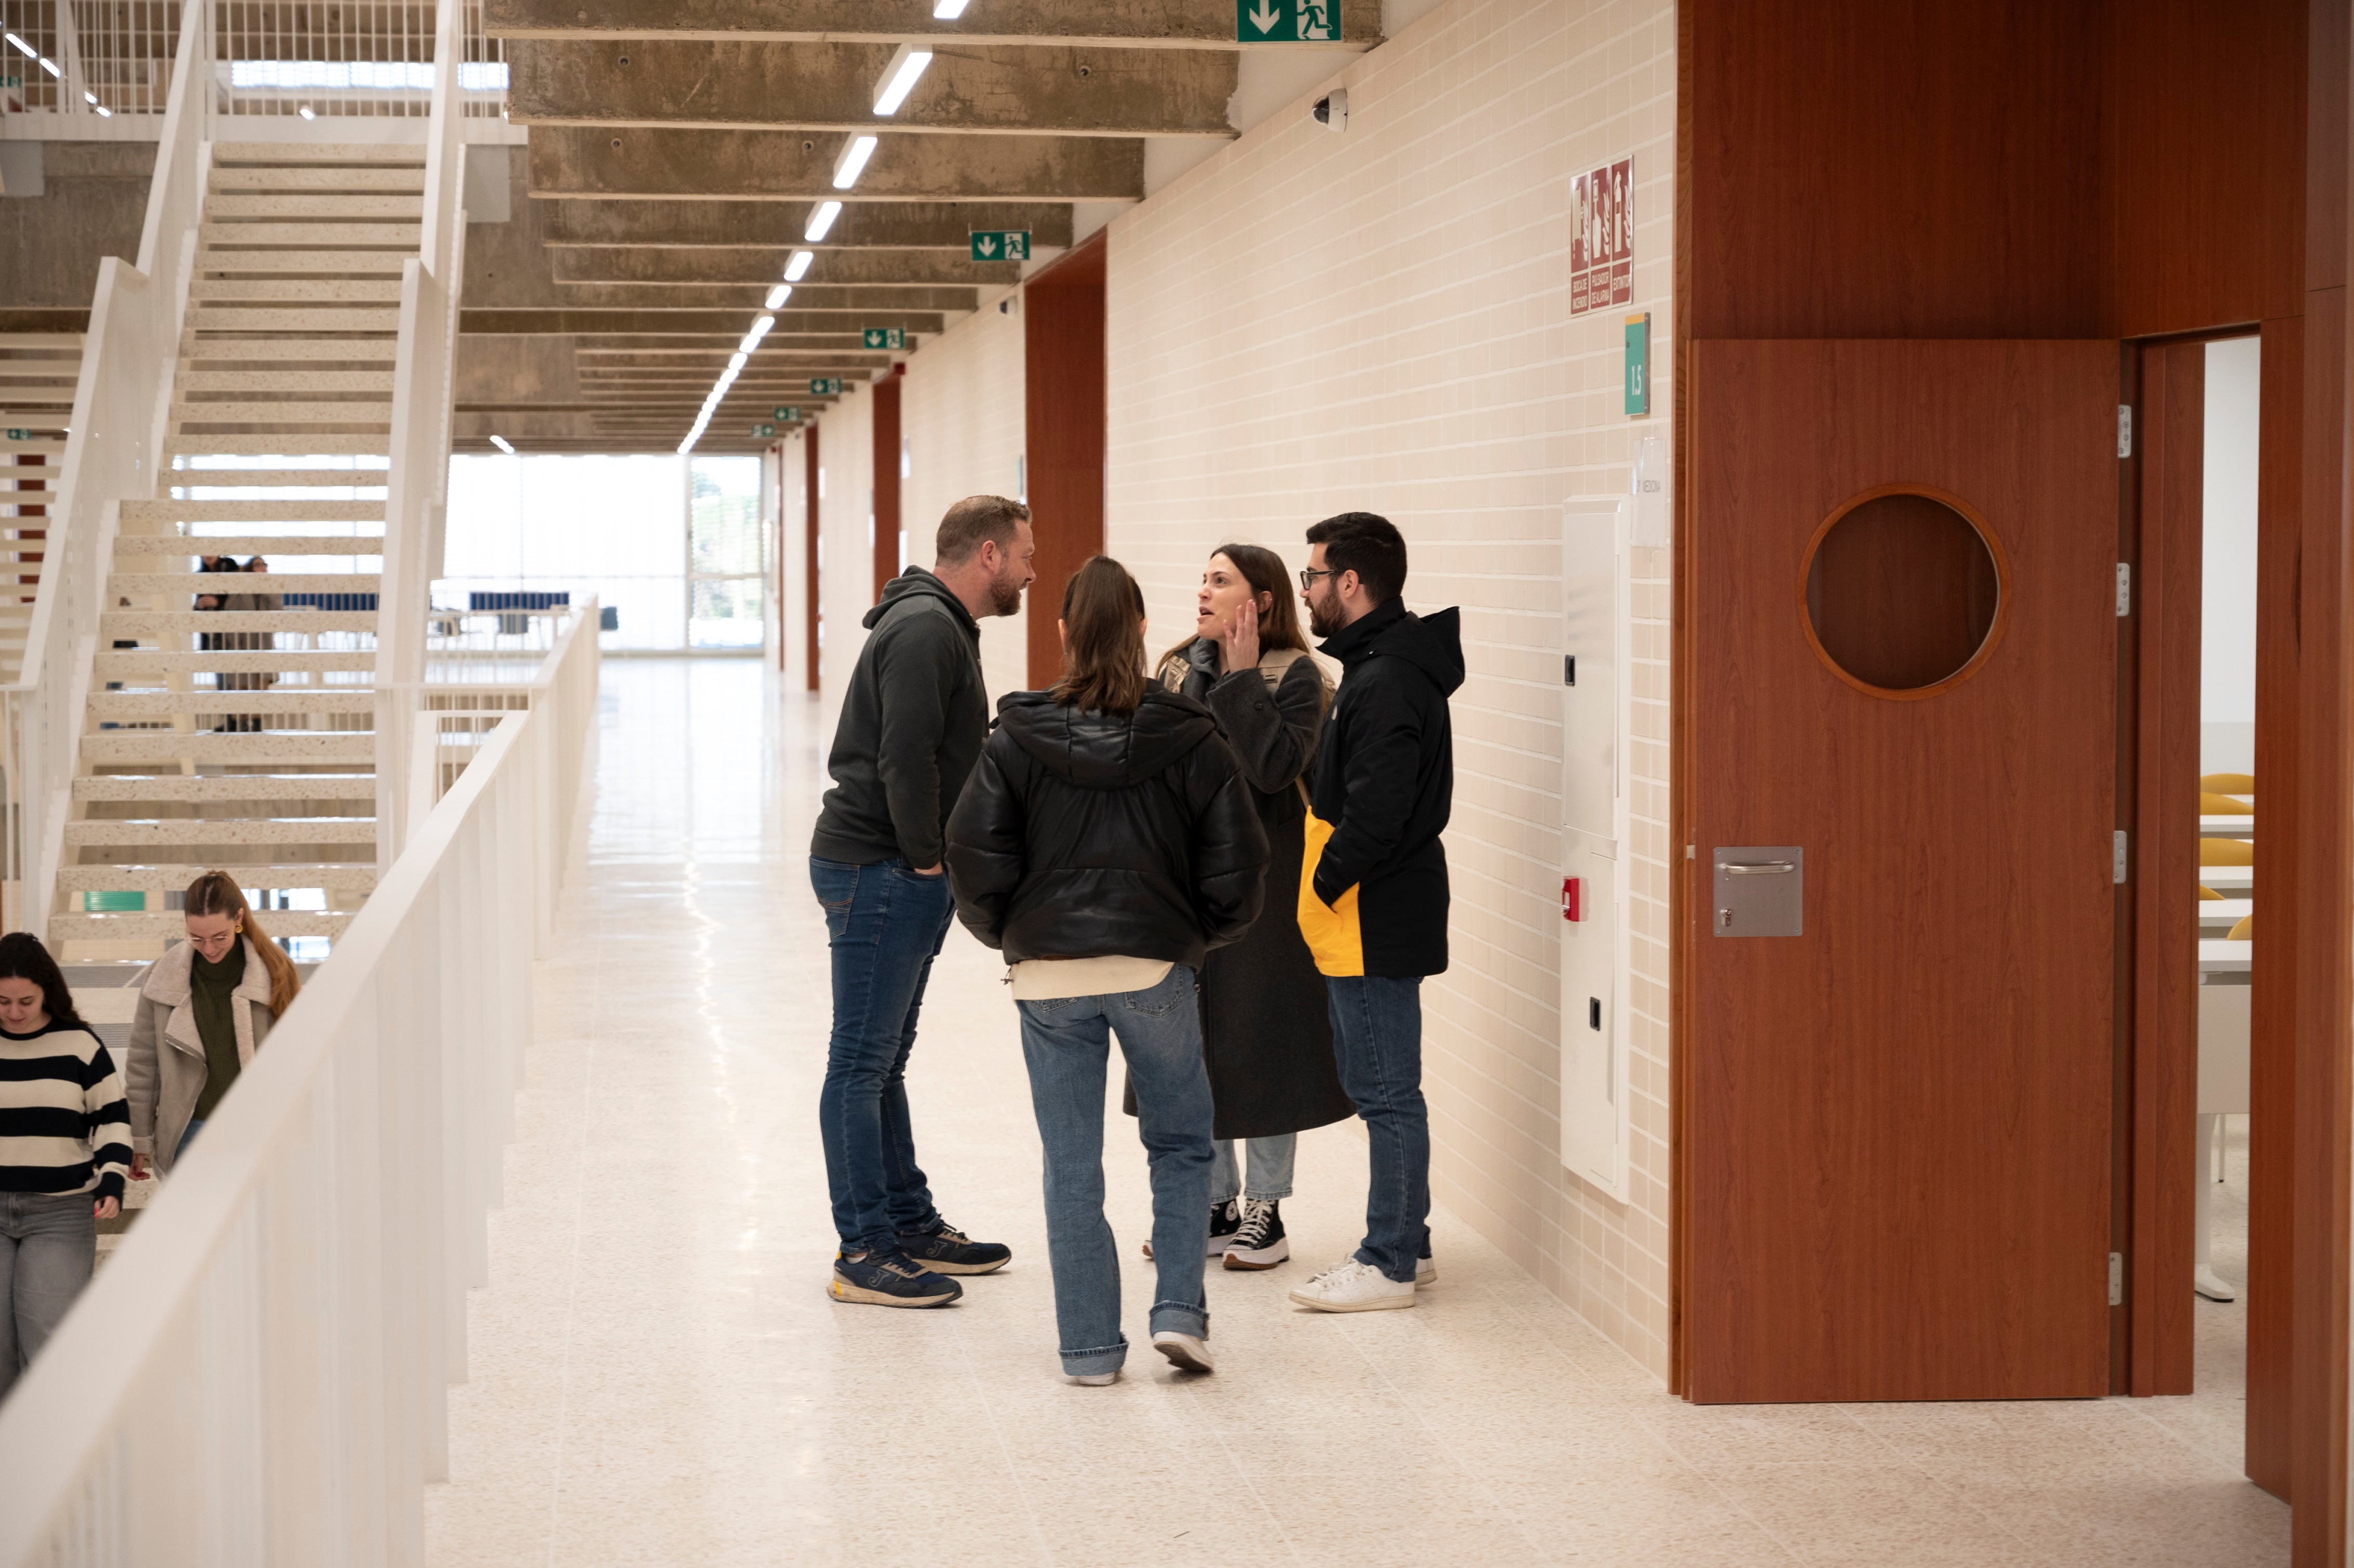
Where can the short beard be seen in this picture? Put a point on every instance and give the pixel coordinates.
(1324, 617)
(1004, 595)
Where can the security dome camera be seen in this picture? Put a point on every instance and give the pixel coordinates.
(1331, 110)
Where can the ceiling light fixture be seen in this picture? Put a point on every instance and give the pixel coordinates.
(49, 65)
(735, 360)
(947, 10)
(501, 442)
(28, 50)
(852, 161)
(307, 112)
(760, 326)
(777, 297)
(821, 222)
(798, 266)
(900, 77)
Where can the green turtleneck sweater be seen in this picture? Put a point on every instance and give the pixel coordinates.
(210, 987)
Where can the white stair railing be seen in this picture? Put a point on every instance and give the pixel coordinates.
(260, 1373)
(423, 394)
(121, 409)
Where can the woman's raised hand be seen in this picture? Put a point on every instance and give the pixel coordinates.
(1238, 644)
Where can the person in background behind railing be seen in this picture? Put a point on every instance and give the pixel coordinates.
(255, 601)
(205, 1008)
(65, 1137)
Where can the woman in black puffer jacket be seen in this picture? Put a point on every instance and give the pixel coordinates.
(1105, 842)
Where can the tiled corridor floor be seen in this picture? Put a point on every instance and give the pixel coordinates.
(657, 1376)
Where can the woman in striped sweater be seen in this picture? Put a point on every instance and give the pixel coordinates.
(65, 1144)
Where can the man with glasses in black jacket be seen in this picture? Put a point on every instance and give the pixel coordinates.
(1372, 903)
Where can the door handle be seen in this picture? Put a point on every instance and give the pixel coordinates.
(1758, 868)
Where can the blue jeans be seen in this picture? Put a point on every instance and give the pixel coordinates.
(1067, 1044)
(1271, 1162)
(1377, 1040)
(885, 924)
(187, 1136)
(48, 1246)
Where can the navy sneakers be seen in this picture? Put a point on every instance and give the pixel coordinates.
(889, 1279)
(947, 1250)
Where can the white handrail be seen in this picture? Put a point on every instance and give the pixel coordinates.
(122, 410)
(259, 1373)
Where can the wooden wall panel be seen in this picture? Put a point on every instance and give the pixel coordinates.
(1062, 343)
(2167, 589)
(1899, 168)
(812, 612)
(2209, 167)
(2273, 1029)
(888, 522)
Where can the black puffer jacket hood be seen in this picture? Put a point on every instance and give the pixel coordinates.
(1104, 751)
(1085, 835)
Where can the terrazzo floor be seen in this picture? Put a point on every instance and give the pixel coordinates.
(657, 1376)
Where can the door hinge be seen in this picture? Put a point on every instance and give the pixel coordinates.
(2125, 430)
(2116, 1279)
(2118, 852)
(2124, 588)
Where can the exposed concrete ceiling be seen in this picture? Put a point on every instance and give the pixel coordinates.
(679, 149)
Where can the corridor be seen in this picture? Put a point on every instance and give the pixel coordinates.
(656, 1375)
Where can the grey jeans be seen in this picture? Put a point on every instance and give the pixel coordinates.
(48, 1246)
(1271, 1160)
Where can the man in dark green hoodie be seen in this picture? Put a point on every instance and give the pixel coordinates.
(912, 724)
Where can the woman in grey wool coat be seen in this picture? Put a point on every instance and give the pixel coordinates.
(1266, 1024)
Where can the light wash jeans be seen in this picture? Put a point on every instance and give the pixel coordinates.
(1271, 1160)
(48, 1246)
(1377, 1040)
(1067, 1044)
(885, 925)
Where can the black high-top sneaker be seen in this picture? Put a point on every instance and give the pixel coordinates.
(1259, 1241)
(1226, 1219)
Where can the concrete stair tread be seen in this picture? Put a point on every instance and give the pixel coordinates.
(362, 291)
(190, 546)
(285, 381)
(173, 878)
(279, 582)
(119, 833)
(318, 320)
(206, 700)
(392, 237)
(299, 262)
(76, 927)
(294, 511)
(264, 154)
(115, 623)
(338, 351)
(287, 413)
(318, 179)
(206, 789)
(334, 444)
(154, 746)
(144, 664)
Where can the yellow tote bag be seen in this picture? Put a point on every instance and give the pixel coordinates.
(1332, 935)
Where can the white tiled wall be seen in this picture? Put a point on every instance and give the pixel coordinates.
(961, 409)
(1379, 319)
(847, 574)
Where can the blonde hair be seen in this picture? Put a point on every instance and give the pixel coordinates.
(216, 893)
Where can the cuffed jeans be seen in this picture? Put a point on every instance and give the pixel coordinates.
(48, 1246)
(1271, 1161)
(885, 925)
(1067, 1044)
(1377, 1040)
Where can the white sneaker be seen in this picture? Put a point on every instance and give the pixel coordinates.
(1352, 1287)
(1185, 1352)
(1425, 1272)
(1092, 1380)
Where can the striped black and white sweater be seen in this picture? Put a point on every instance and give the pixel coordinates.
(65, 1125)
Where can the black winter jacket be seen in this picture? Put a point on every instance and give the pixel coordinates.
(1386, 781)
(1085, 835)
(912, 723)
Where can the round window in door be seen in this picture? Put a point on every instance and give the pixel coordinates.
(1903, 592)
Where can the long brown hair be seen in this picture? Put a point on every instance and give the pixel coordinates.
(216, 893)
(1278, 618)
(1103, 640)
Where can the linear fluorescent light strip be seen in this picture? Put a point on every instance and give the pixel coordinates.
(821, 222)
(777, 297)
(947, 10)
(795, 269)
(852, 161)
(899, 80)
(501, 442)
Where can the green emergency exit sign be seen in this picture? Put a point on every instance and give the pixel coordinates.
(825, 385)
(784, 413)
(1638, 363)
(20, 435)
(1286, 21)
(1001, 245)
(764, 430)
(886, 337)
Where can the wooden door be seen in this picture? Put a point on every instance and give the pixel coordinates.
(1898, 1122)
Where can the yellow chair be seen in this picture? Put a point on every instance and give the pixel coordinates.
(2228, 783)
(2213, 805)
(2226, 852)
(2240, 932)
(2209, 895)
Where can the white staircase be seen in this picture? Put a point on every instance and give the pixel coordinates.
(256, 755)
(37, 370)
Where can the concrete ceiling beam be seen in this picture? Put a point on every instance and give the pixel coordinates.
(749, 296)
(970, 89)
(707, 345)
(672, 224)
(714, 323)
(574, 162)
(747, 264)
(1144, 24)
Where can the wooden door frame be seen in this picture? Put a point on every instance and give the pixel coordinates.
(813, 604)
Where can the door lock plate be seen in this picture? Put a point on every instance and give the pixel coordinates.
(1761, 890)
